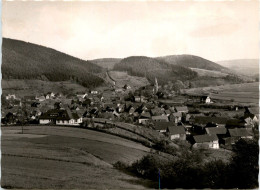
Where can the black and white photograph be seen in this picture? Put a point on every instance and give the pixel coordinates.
(130, 94)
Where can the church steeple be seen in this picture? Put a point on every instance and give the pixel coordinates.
(155, 85)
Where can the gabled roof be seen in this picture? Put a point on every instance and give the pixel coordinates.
(181, 109)
(177, 114)
(216, 130)
(160, 117)
(146, 115)
(204, 97)
(253, 110)
(206, 120)
(240, 132)
(162, 125)
(174, 130)
(157, 111)
(205, 138)
(235, 123)
(167, 111)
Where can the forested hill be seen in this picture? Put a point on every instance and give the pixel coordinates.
(192, 61)
(151, 68)
(22, 60)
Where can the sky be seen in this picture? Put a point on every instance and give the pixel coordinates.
(217, 31)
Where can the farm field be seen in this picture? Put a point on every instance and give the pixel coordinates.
(123, 78)
(241, 93)
(64, 157)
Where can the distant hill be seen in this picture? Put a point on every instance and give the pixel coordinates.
(192, 71)
(22, 60)
(192, 61)
(107, 63)
(248, 67)
(150, 68)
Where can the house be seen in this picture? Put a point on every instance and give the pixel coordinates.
(160, 118)
(10, 97)
(60, 117)
(235, 123)
(205, 99)
(50, 116)
(82, 95)
(181, 109)
(127, 87)
(252, 113)
(176, 132)
(17, 103)
(176, 117)
(144, 117)
(119, 90)
(40, 99)
(216, 131)
(120, 108)
(221, 132)
(238, 133)
(139, 99)
(199, 123)
(157, 112)
(47, 96)
(161, 126)
(69, 119)
(167, 112)
(206, 141)
(94, 92)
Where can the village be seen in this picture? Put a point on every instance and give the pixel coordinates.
(198, 120)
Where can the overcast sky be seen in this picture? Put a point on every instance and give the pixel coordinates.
(88, 30)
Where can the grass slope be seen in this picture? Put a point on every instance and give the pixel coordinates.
(32, 87)
(64, 157)
(107, 63)
(122, 78)
(248, 67)
(246, 93)
(23, 60)
(192, 61)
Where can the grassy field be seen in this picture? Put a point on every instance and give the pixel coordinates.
(204, 72)
(28, 87)
(63, 157)
(123, 78)
(247, 93)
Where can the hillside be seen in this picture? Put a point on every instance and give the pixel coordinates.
(150, 68)
(122, 78)
(21, 60)
(248, 67)
(107, 63)
(192, 62)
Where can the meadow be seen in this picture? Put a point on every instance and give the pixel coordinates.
(123, 78)
(64, 157)
(246, 93)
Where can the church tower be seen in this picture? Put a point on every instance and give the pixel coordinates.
(155, 86)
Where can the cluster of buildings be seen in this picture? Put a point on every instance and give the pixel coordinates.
(146, 107)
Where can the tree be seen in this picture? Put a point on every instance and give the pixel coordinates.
(245, 164)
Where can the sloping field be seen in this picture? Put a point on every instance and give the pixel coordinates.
(204, 72)
(241, 93)
(29, 87)
(123, 78)
(63, 157)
